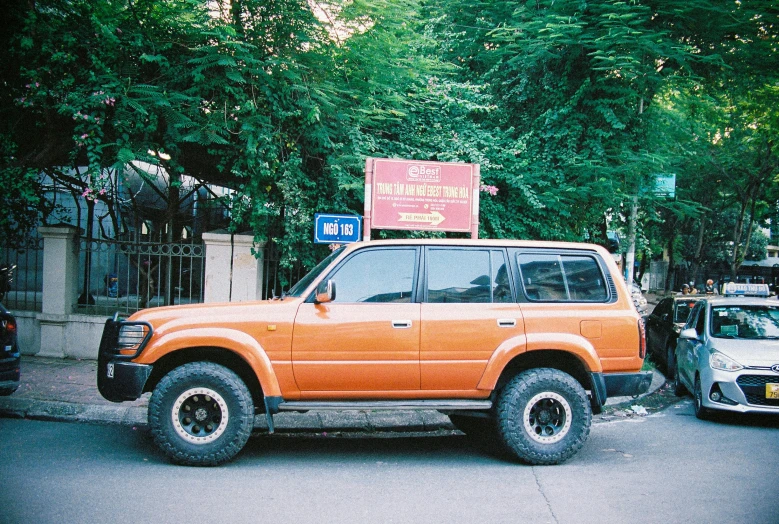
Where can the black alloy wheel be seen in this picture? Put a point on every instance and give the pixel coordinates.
(201, 414)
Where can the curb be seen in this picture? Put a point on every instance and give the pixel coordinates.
(424, 421)
(310, 422)
(68, 412)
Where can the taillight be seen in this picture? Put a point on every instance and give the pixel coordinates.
(10, 326)
(641, 338)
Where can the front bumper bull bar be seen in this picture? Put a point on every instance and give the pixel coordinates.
(119, 379)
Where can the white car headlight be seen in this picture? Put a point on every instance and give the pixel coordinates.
(719, 361)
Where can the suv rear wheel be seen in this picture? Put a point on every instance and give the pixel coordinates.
(201, 414)
(544, 416)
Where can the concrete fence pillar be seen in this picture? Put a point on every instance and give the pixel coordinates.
(233, 272)
(60, 286)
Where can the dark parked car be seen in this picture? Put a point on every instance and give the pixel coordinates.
(10, 359)
(663, 327)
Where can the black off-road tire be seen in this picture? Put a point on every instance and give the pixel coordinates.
(670, 362)
(201, 414)
(701, 412)
(676, 383)
(4, 392)
(543, 416)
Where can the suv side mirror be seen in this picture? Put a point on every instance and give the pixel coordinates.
(325, 292)
(689, 333)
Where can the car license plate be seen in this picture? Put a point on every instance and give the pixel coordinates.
(110, 374)
(771, 390)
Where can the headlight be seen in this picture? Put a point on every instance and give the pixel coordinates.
(719, 361)
(130, 336)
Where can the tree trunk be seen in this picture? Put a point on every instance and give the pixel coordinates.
(172, 233)
(86, 298)
(697, 256)
(671, 263)
(736, 256)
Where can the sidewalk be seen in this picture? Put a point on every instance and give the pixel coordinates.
(66, 390)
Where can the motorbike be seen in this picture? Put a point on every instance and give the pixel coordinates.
(6, 278)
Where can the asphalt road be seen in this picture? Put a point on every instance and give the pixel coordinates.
(669, 467)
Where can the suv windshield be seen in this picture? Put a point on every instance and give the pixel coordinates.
(303, 283)
(756, 322)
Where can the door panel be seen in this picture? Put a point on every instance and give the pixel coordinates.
(356, 347)
(458, 340)
(469, 311)
(367, 338)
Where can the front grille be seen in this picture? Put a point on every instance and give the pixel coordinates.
(753, 387)
(757, 380)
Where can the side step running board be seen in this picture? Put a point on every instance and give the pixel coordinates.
(451, 404)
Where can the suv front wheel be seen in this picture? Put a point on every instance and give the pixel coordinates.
(544, 416)
(201, 414)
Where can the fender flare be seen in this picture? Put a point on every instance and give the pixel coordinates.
(238, 342)
(578, 346)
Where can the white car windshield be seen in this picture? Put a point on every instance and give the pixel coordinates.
(745, 321)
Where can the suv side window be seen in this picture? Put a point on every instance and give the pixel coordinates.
(562, 278)
(376, 275)
(467, 275)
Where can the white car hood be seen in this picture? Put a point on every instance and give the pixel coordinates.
(749, 352)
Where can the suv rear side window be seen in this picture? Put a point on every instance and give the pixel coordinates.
(467, 275)
(562, 278)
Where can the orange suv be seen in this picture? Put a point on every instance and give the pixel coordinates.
(517, 341)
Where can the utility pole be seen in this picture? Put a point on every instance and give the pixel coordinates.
(630, 256)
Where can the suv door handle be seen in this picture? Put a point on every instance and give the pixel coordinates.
(401, 324)
(507, 322)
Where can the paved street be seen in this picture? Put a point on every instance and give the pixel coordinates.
(668, 467)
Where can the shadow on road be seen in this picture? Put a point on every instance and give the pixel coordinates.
(394, 447)
(745, 419)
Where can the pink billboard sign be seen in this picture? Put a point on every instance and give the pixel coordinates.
(418, 195)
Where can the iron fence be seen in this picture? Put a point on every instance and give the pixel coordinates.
(25, 291)
(277, 279)
(128, 275)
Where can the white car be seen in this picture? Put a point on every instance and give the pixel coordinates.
(727, 355)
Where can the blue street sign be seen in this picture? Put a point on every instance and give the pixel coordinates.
(336, 229)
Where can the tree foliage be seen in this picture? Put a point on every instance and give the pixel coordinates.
(571, 108)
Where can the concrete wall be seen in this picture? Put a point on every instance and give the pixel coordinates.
(28, 332)
(81, 335)
(232, 273)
